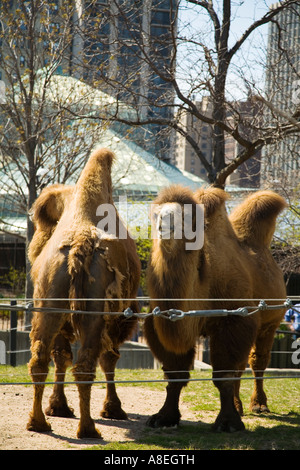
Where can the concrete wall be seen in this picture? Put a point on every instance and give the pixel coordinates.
(23, 347)
(133, 355)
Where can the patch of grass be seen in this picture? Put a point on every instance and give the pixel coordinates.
(277, 430)
(9, 374)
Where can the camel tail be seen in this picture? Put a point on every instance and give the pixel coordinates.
(254, 220)
(79, 261)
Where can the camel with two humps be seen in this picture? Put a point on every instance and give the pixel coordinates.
(89, 270)
(234, 263)
(45, 213)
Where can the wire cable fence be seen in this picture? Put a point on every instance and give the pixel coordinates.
(27, 307)
(170, 314)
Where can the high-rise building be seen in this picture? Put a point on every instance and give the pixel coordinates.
(247, 174)
(281, 161)
(185, 156)
(133, 42)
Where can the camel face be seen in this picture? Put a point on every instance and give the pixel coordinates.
(168, 224)
(173, 223)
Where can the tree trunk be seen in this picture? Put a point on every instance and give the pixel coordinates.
(219, 115)
(32, 194)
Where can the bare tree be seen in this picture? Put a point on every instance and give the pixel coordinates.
(143, 64)
(39, 143)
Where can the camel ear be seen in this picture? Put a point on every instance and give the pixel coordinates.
(212, 199)
(49, 206)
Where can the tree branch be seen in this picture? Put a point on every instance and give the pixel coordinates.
(208, 6)
(264, 20)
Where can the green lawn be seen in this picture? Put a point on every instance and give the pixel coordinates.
(278, 430)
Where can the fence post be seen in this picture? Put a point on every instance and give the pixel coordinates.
(13, 335)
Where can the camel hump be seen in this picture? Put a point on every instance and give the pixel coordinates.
(212, 199)
(102, 155)
(254, 220)
(98, 165)
(94, 185)
(48, 207)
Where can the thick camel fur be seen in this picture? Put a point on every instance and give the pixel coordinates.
(88, 269)
(234, 263)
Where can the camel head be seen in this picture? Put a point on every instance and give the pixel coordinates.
(167, 220)
(177, 220)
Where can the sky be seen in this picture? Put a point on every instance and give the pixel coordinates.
(248, 62)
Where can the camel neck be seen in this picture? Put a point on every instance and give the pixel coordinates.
(169, 273)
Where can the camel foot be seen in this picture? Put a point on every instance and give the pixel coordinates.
(257, 408)
(160, 420)
(88, 432)
(38, 426)
(61, 411)
(113, 411)
(228, 424)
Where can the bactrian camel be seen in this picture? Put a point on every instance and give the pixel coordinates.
(235, 262)
(75, 261)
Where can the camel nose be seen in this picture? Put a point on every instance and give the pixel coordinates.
(166, 223)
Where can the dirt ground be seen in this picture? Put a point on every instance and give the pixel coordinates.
(16, 402)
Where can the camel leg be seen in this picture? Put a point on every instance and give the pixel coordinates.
(119, 330)
(236, 396)
(44, 329)
(230, 348)
(175, 367)
(229, 419)
(169, 414)
(237, 383)
(112, 405)
(90, 329)
(62, 357)
(259, 359)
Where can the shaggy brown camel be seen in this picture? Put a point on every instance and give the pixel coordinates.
(234, 263)
(45, 213)
(76, 260)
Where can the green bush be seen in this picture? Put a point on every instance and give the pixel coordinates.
(15, 280)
